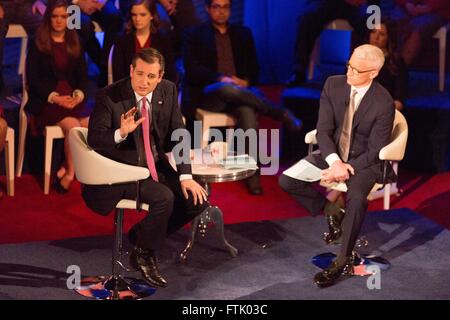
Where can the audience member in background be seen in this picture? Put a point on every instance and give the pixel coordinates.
(142, 32)
(175, 17)
(313, 19)
(221, 69)
(393, 75)
(3, 128)
(27, 13)
(108, 17)
(182, 15)
(57, 78)
(418, 21)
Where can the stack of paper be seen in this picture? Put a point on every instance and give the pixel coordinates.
(239, 162)
(305, 171)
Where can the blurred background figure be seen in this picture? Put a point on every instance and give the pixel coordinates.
(393, 75)
(175, 17)
(221, 73)
(182, 16)
(108, 17)
(27, 13)
(56, 79)
(142, 31)
(315, 16)
(418, 21)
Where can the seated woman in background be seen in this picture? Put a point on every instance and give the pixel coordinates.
(142, 32)
(57, 82)
(394, 75)
(3, 128)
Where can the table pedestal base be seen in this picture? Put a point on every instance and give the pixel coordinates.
(200, 224)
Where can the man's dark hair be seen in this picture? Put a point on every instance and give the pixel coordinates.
(149, 55)
(208, 2)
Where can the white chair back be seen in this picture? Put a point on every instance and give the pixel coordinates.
(95, 169)
(395, 150)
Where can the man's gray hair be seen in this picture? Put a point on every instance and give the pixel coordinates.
(370, 53)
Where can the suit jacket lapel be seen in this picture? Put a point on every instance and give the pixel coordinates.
(344, 102)
(128, 97)
(128, 102)
(157, 105)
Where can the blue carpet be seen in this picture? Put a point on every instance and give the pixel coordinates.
(273, 262)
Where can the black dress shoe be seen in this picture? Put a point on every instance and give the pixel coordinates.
(336, 270)
(291, 122)
(146, 262)
(254, 185)
(334, 215)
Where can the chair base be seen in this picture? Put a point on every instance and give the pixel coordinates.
(102, 288)
(324, 260)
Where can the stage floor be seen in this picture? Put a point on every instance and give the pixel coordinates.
(273, 262)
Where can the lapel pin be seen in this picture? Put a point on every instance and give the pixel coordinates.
(160, 102)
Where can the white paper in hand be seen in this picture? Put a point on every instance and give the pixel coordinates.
(305, 171)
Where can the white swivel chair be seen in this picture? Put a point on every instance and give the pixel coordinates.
(9, 161)
(394, 151)
(441, 35)
(50, 133)
(17, 31)
(338, 24)
(94, 169)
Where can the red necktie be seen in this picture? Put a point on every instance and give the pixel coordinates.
(147, 142)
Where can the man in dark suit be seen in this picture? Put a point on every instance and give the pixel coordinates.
(355, 121)
(221, 68)
(116, 132)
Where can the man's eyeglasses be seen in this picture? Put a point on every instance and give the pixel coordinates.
(218, 7)
(355, 71)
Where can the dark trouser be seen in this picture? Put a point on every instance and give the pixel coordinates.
(169, 210)
(313, 20)
(243, 103)
(14, 14)
(358, 188)
(224, 97)
(110, 21)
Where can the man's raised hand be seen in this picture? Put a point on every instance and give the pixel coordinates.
(127, 122)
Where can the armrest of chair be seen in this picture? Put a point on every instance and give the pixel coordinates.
(310, 137)
(112, 172)
(95, 169)
(395, 150)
